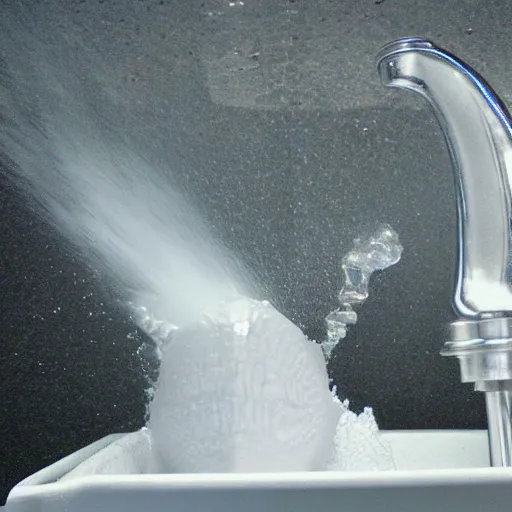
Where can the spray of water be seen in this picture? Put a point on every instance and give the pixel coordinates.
(62, 144)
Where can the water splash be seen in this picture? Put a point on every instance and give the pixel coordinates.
(62, 134)
(357, 443)
(380, 250)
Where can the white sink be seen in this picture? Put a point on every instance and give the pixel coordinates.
(435, 471)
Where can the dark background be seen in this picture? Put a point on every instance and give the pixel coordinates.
(291, 154)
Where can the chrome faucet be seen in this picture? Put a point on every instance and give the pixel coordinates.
(478, 132)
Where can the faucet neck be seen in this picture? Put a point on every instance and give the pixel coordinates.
(478, 133)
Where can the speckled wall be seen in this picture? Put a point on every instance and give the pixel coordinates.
(274, 120)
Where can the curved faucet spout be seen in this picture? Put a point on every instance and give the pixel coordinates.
(478, 132)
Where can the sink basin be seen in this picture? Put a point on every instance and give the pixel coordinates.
(435, 470)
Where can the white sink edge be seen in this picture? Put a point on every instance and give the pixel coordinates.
(404, 444)
(464, 489)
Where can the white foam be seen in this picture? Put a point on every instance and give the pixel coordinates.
(358, 445)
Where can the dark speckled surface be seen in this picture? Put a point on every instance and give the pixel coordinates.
(290, 155)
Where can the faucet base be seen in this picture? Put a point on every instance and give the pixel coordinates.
(484, 350)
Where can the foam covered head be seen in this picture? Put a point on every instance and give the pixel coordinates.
(241, 390)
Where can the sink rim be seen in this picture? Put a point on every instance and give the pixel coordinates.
(42, 488)
(50, 475)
